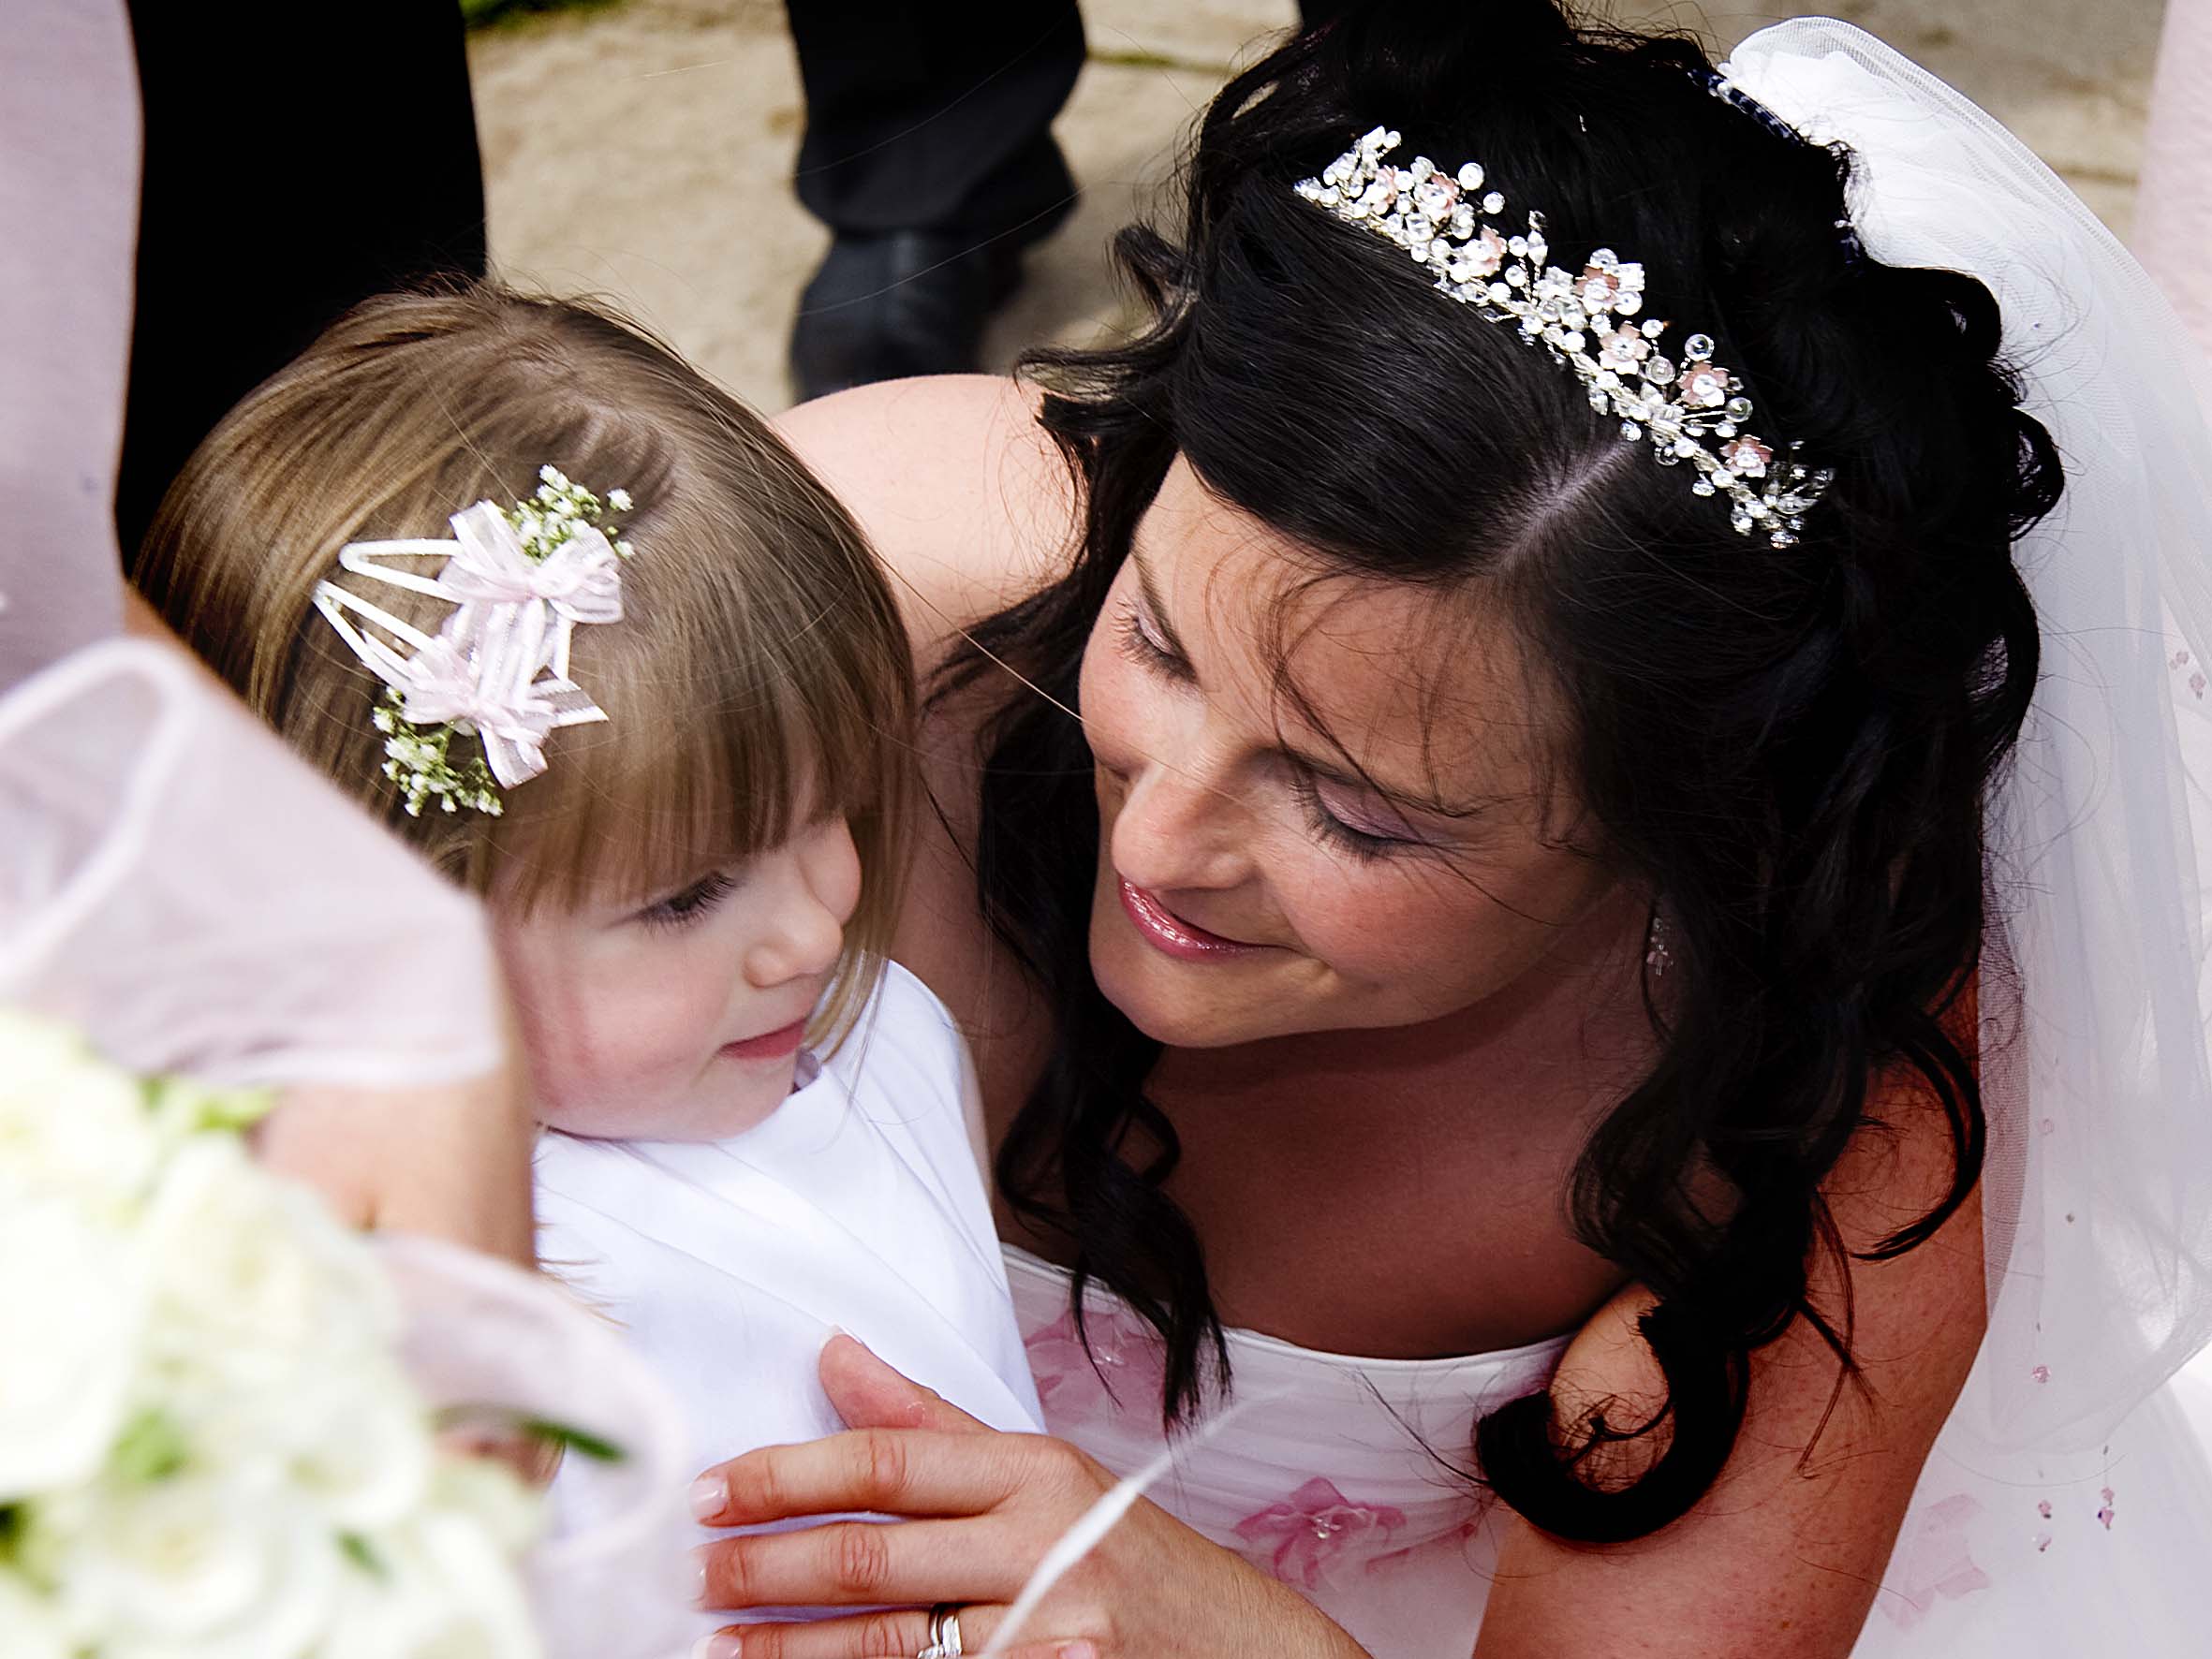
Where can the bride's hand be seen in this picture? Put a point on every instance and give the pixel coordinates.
(985, 1506)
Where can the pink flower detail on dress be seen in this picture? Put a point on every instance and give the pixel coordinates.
(1128, 1373)
(1932, 1562)
(1312, 1527)
(2104, 1513)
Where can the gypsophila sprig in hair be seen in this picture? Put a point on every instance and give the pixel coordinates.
(497, 672)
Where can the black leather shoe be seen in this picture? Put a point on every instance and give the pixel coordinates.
(903, 303)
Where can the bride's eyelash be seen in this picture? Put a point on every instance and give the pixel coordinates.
(1337, 833)
(1139, 645)
(680, 910)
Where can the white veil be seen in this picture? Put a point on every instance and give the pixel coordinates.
(2097, 1072)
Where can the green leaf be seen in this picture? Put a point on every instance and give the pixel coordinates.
(565, 1436)
(363, 1554)
(579, 1441)
(150, 1448)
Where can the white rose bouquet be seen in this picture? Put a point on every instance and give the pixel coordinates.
(208, 1447)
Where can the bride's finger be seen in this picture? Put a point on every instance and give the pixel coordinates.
(904, 1631)
(891, 1470)
(901, 1634)
(860, 1563)
(893, 1635)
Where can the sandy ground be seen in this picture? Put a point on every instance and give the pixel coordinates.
(643, 150)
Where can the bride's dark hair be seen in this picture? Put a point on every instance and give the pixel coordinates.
(1790, 746)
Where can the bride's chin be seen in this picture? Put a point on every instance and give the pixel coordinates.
(1160, 1001)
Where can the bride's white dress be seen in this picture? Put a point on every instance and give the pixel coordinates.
(1333, 1477)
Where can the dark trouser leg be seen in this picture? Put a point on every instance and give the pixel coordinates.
(934, 117)
(929, 153)
(285, 180)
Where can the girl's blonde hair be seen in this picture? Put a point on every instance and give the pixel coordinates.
(760, 673)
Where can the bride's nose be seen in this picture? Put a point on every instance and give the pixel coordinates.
(1178, 828)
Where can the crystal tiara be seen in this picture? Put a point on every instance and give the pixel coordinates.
(1693, 411)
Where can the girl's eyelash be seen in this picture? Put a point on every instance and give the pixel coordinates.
(682, 909)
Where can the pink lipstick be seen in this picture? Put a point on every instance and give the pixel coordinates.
(1168, 934)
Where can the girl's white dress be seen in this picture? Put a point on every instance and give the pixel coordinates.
(858, 1205)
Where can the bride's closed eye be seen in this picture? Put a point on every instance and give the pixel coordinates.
(1364, 834)
(682, 908)
(1143, 644)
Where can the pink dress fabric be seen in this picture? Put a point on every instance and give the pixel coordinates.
(1332, 1476)
(1320, 1479)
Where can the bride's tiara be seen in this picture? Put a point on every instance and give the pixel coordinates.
(1693, 411)
(497, 669)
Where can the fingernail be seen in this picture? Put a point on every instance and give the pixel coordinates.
(722, 1644)
(708, 1495)
(1072, 1651)
(698, 1588)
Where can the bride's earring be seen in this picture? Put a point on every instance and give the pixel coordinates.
(1658, 959)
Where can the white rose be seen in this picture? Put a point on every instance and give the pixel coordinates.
(72, 1298)
(443, 1589)
(351, 1437)
(31, 1626)
(492, 1497)
(198, 1566)
(69, 1122)
(252, 1273)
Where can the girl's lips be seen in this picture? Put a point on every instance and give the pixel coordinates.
(1169, 934)
(769, 1045)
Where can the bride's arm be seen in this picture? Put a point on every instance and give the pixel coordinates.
(962, 495)
(969, 507)
(1784, 1557)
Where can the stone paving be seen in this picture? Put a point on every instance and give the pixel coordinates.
(643, 151)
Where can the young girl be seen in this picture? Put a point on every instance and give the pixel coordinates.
(579, 627)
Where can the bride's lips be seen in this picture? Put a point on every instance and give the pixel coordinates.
(769, 1045)
(1169, 934)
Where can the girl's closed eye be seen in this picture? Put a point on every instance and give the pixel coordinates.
(687, 905)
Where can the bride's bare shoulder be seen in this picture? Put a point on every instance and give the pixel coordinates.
(966, 498)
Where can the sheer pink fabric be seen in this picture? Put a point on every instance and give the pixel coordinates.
(178, 884)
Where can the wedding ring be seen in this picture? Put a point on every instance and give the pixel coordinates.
(944, 1633)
